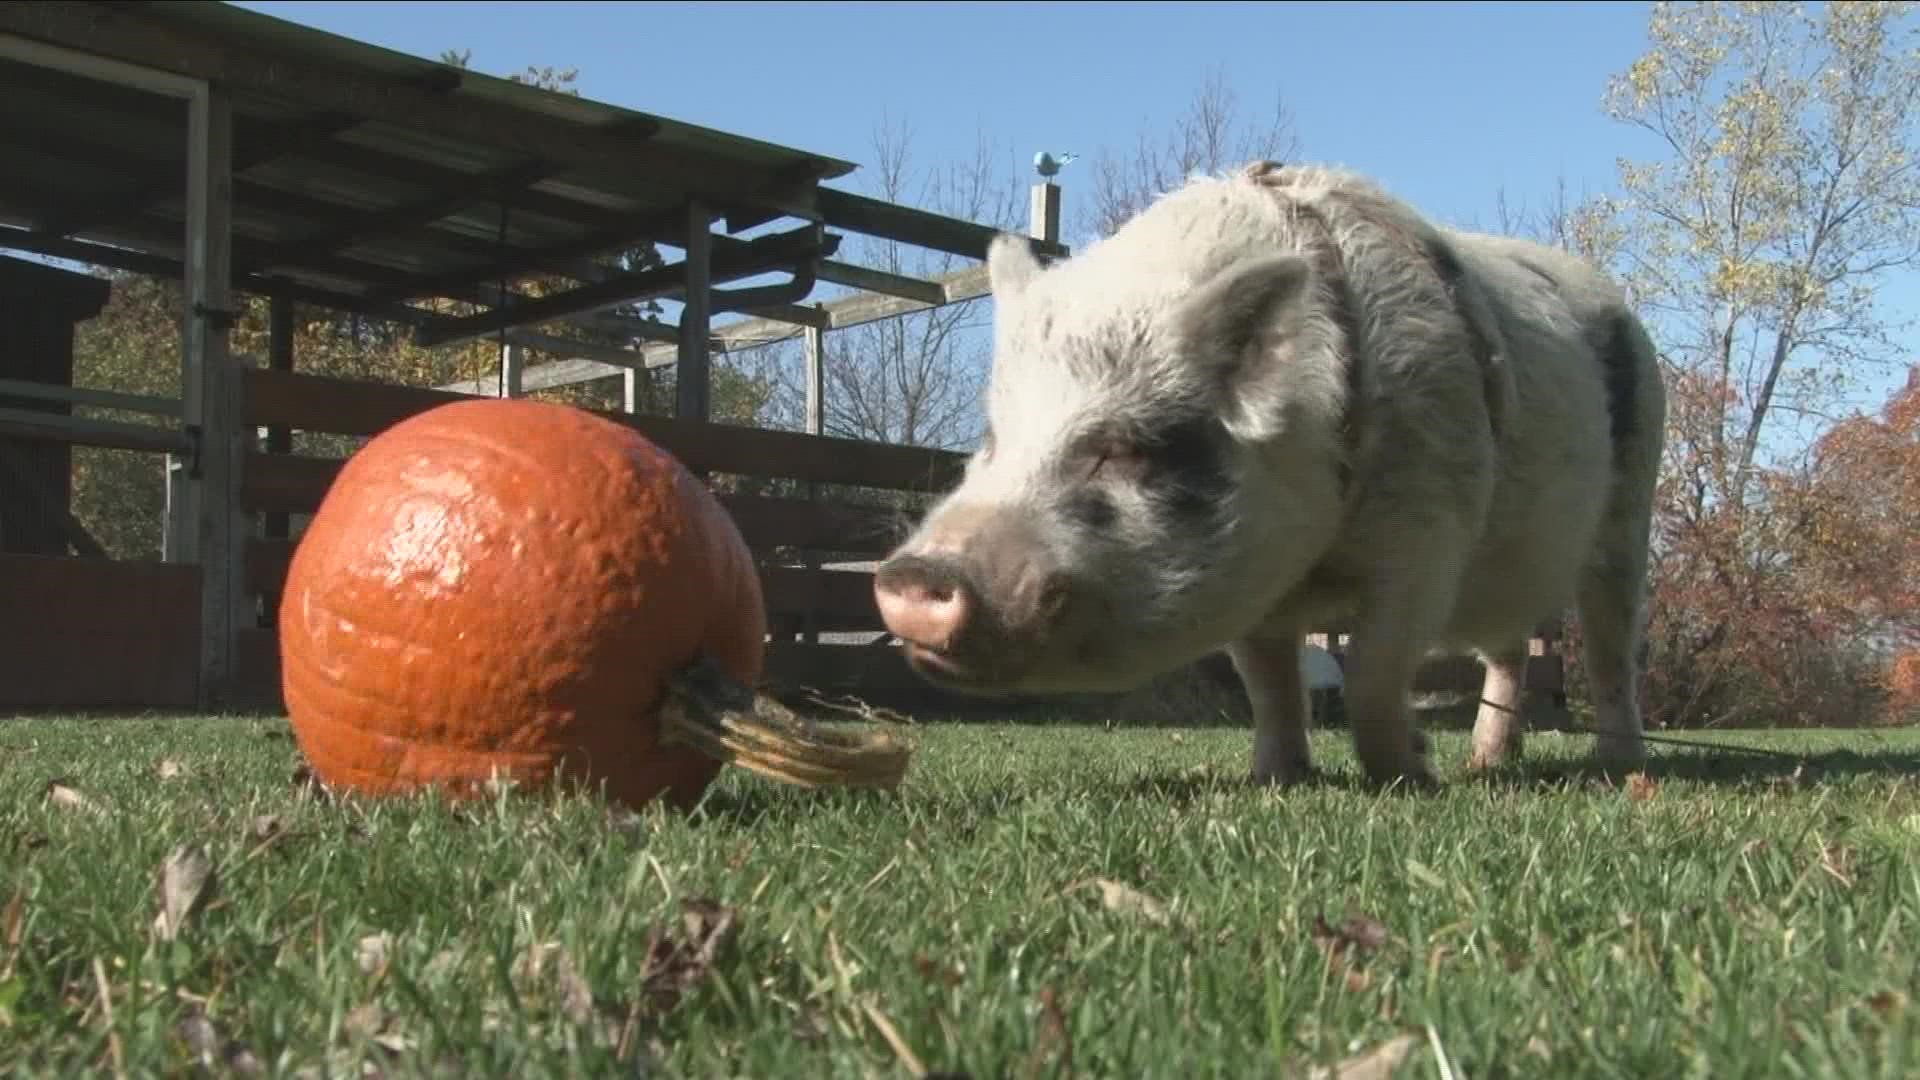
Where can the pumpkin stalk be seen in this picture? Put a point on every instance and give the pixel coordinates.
(707, 709)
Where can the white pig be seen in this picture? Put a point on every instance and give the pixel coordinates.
(1279, 400)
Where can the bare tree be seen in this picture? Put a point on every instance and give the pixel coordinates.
(1210, 136)
(915, 379)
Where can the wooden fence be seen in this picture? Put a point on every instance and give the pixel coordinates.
(785, 533)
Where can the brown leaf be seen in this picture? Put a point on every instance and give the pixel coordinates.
(170, 769)
(1887, 1002)
(1378, 1063)
(187, 882)
(673, 962)
(1052, 1052)
(1125, 900)
(67, 797)
(1359, 933)
(1640, 787)
(952, 976)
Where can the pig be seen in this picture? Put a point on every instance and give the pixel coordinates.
(1280, 399)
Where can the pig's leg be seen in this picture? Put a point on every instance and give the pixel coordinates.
(1403, 612)
(1269, 667)
(1496, 727)
(1610, 621)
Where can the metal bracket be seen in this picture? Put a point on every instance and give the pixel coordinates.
(223, 318)
(195, 443)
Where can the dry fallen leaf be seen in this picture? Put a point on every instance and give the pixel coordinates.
(1362, 933)
(1640, 787)
(576, 995)
(365, 1020)
(1052, 1053)
(674, 963)
(931, 970)
(1378, 1063)
(187, 881)
(67, 797)
(169, 769)
(1887, 1002)
(372, 950)
(1125, 899)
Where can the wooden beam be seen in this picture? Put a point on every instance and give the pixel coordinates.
(142, 262)
(357, 407)
(99, 399)
(856, 310)
(147, 36)
(520, 263)
(761, 255)
(880, 281)
(891, 221)
(85, 431)
(692, 383)
(267, 145)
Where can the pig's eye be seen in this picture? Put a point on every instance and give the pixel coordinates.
(1119, 458)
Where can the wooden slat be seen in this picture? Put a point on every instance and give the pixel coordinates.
(79, 431)
(843, 599)
(289, 483)
(346, 407)
(91, 633)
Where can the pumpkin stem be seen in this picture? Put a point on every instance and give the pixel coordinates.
(708, 709)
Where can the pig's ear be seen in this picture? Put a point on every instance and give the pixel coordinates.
(1227, 315)
(1011, 265)
(1224, 324)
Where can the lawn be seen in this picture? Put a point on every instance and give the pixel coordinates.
(1033, 901)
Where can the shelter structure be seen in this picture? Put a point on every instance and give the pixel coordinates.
(243, 154)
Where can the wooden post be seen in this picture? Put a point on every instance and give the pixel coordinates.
(513, 362)
(816, 425)
(279, 525)
(211, 394)
(1043, 212)
(816, 380)
(693, 376)
(630, 390)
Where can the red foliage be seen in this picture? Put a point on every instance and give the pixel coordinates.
(1800, 603)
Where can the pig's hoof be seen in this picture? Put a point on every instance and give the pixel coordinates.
(1413, 777)
(1492, 753)
(1286, 775)
(1619, 754)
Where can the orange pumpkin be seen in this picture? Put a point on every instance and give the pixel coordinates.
(505, 586)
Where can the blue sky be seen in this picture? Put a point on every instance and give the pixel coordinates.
(1445, 103)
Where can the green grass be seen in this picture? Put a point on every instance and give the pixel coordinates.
(1736, 921)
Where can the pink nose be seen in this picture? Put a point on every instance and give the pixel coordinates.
(923, 604)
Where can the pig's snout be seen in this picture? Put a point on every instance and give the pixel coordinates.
(924, 602)
(974, 611)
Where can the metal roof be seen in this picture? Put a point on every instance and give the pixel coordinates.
(365, 177)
